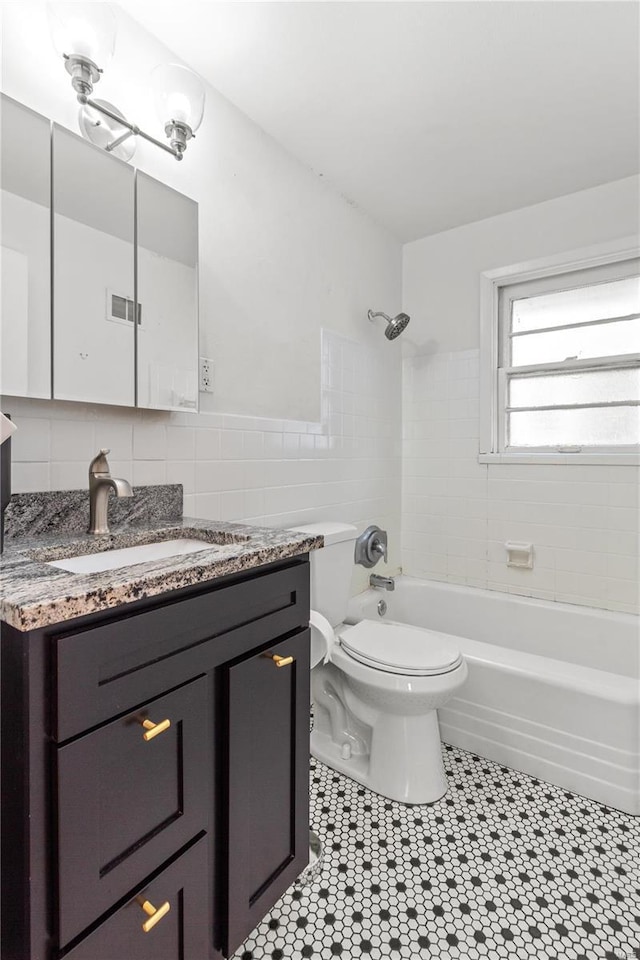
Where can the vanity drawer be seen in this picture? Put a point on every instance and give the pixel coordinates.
(181, 933)
(129, 797)
(107, 669)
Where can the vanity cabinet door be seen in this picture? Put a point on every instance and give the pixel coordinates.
(181, 933)
(128, 800)
(267, 779)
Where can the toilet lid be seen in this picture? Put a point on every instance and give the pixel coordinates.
(400, 648)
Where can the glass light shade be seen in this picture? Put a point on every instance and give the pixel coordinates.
(178, 94)
(84, 29)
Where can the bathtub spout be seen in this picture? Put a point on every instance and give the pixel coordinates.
(387, 583)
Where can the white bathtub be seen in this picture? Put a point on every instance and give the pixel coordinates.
(553, 688)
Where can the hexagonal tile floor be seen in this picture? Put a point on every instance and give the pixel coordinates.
(503, 866)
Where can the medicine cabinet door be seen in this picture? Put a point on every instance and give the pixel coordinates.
(167, 265)
(25, 254)
(93, 273)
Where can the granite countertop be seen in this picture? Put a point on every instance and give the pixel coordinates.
(34, 594)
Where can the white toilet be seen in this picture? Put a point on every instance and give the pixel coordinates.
(375, 685)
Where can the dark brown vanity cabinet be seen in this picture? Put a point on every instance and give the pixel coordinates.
(268, 809)
(126, 803)
(155, 772)
(177, 897)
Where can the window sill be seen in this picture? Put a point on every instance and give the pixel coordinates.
(596, 459)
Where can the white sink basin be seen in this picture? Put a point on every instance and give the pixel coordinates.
(112, 559)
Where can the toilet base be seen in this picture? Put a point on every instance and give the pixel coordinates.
(404, 763)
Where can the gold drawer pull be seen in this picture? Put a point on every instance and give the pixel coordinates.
(153, 729)
(155, 915)
(281, 661)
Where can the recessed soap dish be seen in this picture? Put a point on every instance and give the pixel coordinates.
(519, 555)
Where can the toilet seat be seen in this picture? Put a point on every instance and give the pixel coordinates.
(400, 648)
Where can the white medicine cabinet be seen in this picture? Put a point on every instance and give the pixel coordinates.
(99, 274)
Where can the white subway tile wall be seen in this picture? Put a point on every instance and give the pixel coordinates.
(583, 520)
(277, 473)
(457, 514)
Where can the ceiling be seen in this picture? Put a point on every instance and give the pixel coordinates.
(427, 115)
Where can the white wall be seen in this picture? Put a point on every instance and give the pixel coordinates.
(346, 466)
(441, 273)
(457, 513)
(303, 425)
(281, 254)
(282, 257)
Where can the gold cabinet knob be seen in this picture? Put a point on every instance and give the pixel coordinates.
(155, 914)
(153, 729)
(280, 661)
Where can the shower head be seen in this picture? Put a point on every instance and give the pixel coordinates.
(395, 325)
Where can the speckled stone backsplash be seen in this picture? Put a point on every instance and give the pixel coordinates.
(67, 511)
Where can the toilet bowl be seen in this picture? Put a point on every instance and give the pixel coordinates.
(376, 686)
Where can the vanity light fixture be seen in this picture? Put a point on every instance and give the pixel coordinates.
(84, 35)
(179, 95)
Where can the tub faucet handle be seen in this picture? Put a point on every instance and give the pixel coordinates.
(380, 547)
(371, 545)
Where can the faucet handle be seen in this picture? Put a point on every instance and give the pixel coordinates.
(99, 464)
(379, 547)
(371, 545)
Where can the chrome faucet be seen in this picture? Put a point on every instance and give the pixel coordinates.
(387, 583)
(100, 482)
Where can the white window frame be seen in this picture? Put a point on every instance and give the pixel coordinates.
(492, 388)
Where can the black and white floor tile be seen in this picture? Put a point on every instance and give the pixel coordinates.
(503, 866)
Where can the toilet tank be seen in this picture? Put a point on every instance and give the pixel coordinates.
(331, 568)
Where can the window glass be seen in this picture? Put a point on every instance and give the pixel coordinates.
(584, 386)
(600, 301)
(578, 343)
(595, 426)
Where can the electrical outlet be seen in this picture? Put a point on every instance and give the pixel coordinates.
(206, 375)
